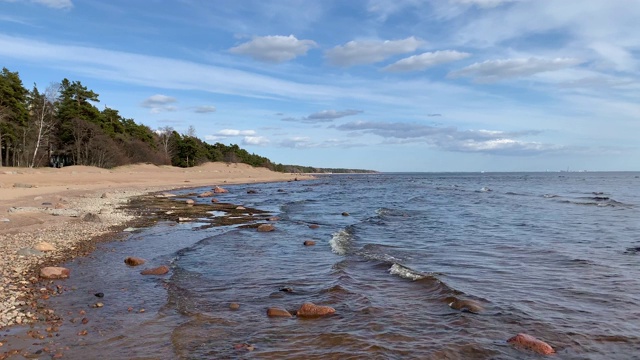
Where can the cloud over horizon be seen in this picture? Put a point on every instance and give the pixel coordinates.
(274, 49)
(370, 51)
(159, 103)
(452, 139)
(324, 116)
(496, 70)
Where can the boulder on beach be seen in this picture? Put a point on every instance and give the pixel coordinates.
(312, 310)
(266, 228)
(160, 270)
(189, 202)
(528, 342)
(54, 272)
(44, 246)
(91, 217)
(277, 312)
(219, 190)
(134, 261)
(106, 195)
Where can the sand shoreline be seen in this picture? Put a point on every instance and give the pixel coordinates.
(49, 205)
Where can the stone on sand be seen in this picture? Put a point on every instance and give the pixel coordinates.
(44, 246)
(54, 272)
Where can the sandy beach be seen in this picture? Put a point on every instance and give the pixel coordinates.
(47, 207)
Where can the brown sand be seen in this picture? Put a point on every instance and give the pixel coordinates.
(48, 204)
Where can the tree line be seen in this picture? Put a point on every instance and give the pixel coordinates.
(61, 126)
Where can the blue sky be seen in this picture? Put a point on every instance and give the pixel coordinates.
(390, 85)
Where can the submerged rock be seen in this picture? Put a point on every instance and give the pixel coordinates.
(314, 226)
(466, 305)
(234, 306)
(266, 228)
(134, 261)
(312, 310)
(345, 214)
(54, 272)
(205, 194)
(529, 342)
(309, 243)
(160, 270)
(278, 312)
(219, 190)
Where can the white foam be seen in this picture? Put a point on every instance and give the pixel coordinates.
(340, 242)
(405, 272)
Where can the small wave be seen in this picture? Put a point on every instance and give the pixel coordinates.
(341, 242)
(550, 196)
(406, 273)
(379, 253)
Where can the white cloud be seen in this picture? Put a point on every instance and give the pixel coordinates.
(368, 52)
(159, 103)
(324, 116)
(205, 109)
(255, 140)
(426, 60)
(496, 70)
(275, 49)
(234, 132)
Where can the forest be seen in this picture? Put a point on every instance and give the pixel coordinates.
(61, 126)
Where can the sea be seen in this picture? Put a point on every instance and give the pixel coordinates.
(553, 255)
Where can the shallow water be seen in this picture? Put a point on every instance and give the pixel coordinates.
(555, 255)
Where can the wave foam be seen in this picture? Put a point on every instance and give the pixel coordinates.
(341, 242)
(405, 272)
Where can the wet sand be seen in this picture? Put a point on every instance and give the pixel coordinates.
(52, 205)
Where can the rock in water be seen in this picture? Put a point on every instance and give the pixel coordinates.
(277, 312)
(529, 342)
(189, 202)
(205, 194)
(345, 214)
(312, 310)
(314, 226)
(266, 228)
(160, 270)
(466, 305)
(219, 190)
(309, 243)
(134, 261)
(54, 272)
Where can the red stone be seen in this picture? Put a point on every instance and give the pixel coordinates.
(134, 261)
(160, 270)
(529, 342)
(54, 272)
(277, 312)
(312, 310)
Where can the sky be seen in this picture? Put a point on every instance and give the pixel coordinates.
(387, 85)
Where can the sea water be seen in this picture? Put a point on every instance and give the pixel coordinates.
(553, 255)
